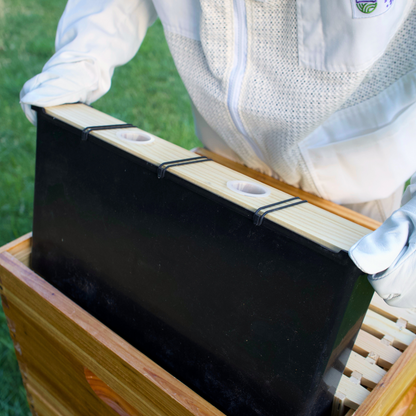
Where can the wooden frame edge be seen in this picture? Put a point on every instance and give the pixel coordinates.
(284, 187)
(15, 245)
(397, 382)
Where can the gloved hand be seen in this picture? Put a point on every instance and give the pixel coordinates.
(93, 38)
(59, 85)
(388, 254)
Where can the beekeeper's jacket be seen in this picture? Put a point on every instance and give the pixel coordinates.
(319, 93)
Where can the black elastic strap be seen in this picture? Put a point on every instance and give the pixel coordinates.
(258, 219)
(88, 130)
(163, 167)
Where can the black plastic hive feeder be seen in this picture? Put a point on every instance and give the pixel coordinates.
(249, 317)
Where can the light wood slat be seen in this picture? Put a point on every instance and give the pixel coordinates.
(355, 394)
(130, 374)
(379, 326)
(379, 306)
(371, 372)
(366, 343)
(397, 383)
(339, 210)
(338, 404)
(308, 220)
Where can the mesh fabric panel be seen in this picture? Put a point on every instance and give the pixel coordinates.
(280, 102)
(399, 59)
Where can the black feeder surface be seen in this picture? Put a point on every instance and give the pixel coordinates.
(251, 318)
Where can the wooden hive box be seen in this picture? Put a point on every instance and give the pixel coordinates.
(73, 365)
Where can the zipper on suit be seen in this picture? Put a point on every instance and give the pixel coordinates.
(238, 71)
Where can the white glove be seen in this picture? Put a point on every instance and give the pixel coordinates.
(62, 86)
(388, 254)
(93, 37)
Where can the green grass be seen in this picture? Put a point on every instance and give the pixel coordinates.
(146, 92)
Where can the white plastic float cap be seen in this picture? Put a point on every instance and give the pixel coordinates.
(135, 136)
(248, 188)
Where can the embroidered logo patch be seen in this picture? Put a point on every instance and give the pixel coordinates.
(370, 8)
(365, 6)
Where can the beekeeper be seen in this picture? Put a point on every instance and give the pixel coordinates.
(318, 93)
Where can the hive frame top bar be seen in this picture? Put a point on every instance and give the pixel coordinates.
(314, 223)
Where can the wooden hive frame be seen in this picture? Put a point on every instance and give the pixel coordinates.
(334, 232)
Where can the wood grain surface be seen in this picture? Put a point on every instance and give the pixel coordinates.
(314, 223)
(339, 210)
(73, 365)
(398, 383)
(108, 396)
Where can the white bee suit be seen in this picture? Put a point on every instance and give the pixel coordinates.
(319, 93)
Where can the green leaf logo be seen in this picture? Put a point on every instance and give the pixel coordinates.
(366, 7)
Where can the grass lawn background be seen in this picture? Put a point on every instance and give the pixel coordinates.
(146, 92)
